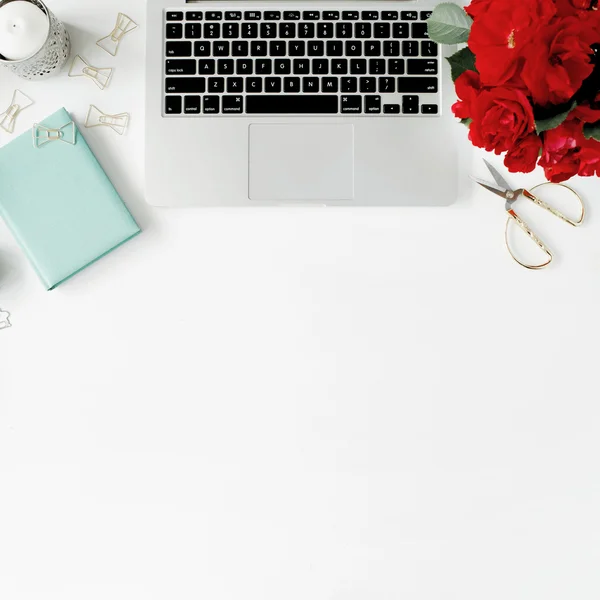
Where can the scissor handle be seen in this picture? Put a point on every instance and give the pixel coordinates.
(552, 210)
(517, 219)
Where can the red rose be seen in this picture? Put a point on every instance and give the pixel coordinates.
(523, 156)
(501, 117)
(467, 87)
(477, 7)
(568, 8)
(500, 33)
(559, 59)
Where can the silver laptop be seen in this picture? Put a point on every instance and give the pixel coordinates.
(340, 103)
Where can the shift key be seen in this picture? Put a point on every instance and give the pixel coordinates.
(417, 85)
(181, 67)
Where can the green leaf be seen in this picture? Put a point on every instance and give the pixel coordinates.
(553, 122)
(461, 61)
(592, 131)
(466, 122)
(449, 24)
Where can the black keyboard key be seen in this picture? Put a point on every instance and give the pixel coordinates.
(206, 66)
(409, 15)
(283, 66)
(373, 48)
(316, 49)
(351, 104)
(191, 105)
(175, 49)
(320, 66)
(325, 30)
(429, 109)
(339, 66)
(410, 48)
(174, 31)
(220, 48)
(214, 15)
(263, 66)
(210, 104)
(429, 48)
(354, 49)
(268, 30)
(231, 30)
(362, 30)
(252, 15)
(225, 66)
(212, 30)
(425, 14)
(387, 85)
(233, 15)
(272, 15)
(391, 109)
(291, 15)
(391, 48)
(410, 105)
(239, 49)
(287, 30)
(185, 85)
(216, 85)
(202, 49)
(243, 66)
(193, 16)
(310, 85)
(250, 30)
(235, 85)
(329, 85)
(335, 48)
(389, 15)
(396, 66)
(331, 15)
(343, 30)
(372, 104)
(358, 66)
(258, 49)
(370, 15)
(277, 48)
(174, 16)
(422, 66)
(181, 67)
(311, 15)
(254, 85)
(368, 85)
(383, 30)
(306, 30)
(193, 31)
(173, 105)
(350, 15)
(419, 30)
(400, 30)
(417, 85)
(301, 66)
(297, 48)
(291, 85)
(349, 85)
(292, 104)
(272, 85)
(233, 104)
(376, 66)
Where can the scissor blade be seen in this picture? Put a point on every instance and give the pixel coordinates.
(497, 177)
(489, 187)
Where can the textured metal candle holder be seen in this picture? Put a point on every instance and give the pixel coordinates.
(50, 58)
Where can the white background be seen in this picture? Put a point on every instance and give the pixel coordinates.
(295, 404)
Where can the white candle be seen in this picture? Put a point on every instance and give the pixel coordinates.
(23, 30)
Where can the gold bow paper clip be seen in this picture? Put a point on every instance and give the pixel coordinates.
(42, 135)
(112, 41)
(80, 68)
(96, 118)
(4, 319)
(19, 102)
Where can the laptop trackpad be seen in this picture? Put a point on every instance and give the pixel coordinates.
(301, 162)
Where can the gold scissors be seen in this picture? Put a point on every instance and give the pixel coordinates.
(502, 189)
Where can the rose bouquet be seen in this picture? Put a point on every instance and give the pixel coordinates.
(528, 80)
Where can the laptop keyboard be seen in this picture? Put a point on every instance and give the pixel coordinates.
(329, 62)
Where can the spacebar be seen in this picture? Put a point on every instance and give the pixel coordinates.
(297, 104)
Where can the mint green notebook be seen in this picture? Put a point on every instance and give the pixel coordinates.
(59, 203)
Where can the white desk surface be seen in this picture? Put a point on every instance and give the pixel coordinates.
(293, 404)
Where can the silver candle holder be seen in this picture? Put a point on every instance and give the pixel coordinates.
(50, 58)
